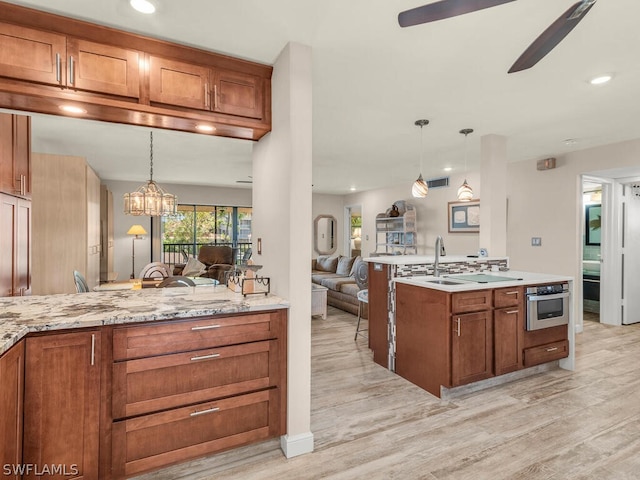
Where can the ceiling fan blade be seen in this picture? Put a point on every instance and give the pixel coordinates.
(444, 9)
(552, 36)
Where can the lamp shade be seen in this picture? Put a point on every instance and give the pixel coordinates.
(419, 188)
(465, 193)
(137, 230)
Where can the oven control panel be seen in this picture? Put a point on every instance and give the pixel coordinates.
(548, 289)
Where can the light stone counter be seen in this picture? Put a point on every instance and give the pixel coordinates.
(22, 315)
(420, 259)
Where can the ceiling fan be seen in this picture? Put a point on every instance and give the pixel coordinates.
(541, 46)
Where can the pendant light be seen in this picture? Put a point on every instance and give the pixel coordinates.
(150, 199)
(465, 193)
(420, 187)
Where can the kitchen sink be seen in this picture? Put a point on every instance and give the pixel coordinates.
(444, 282)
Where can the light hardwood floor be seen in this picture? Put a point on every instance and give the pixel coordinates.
(371, 424)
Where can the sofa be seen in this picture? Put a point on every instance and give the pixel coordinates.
(213, 261)
(338, 275)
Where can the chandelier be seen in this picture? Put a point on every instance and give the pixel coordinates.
(150, 199)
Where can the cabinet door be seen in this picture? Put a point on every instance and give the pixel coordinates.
(473, 301)
(22, 278)
(178, 83)
(6, 154)
(508, 297)
(8, 219)
(32, 55)
(92, 273)
(11, 391)
(62, 402)
(508, 337)
(22, 155)
(238, 94)
(103, 68)
(471, 348)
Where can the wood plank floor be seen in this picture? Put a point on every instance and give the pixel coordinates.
(369, 423)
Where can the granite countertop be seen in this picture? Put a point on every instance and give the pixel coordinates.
(420, 259)
(22, 315)
(516, 279)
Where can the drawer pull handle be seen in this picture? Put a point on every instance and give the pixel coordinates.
(205, 357)
(511, 293)
(205, 327)
(511, 312)
(552, 349)
(202, 412)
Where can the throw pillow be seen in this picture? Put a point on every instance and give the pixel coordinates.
(357, 260)
(344, 265)
(194, 268)
(325, 263)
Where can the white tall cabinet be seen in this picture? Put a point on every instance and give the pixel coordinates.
(66, 223)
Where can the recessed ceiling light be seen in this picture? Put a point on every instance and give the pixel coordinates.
(143, 6)
(601, 79)
(72, 109)
(570, 141)
(447, 169)
(205, 128)
(353, 189)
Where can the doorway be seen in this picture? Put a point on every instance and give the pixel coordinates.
(353, 230)
(591, 249)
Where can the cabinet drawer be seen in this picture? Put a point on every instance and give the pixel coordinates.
(152, 441)
(470, 301)
(159, 383)
(508, 297)
(546, 353)
(189, 335)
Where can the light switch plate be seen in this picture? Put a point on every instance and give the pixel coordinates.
(536, 241)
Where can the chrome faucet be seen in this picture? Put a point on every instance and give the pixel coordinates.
(439, 251)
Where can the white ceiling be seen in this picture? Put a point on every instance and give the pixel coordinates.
(373, 79)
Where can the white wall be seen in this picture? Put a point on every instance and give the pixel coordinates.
(431, 212)
(186, 194)
(282, 219)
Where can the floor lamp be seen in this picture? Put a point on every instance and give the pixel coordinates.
(137, 231)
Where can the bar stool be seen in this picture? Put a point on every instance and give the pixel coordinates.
(361, 275)
(363, 298)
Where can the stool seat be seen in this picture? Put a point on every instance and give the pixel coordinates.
(363, 297)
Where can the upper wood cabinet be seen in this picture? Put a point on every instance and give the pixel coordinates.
(15, 154)
(45, 57)
(195, 86)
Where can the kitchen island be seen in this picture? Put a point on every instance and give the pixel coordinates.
(455, 330)
(112, 384)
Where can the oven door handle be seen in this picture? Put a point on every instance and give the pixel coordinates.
(555, 296)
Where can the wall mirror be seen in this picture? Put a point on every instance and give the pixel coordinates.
(324, 234)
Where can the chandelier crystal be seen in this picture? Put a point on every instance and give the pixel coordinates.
(150, 199)
(420, 187)
(465, 192)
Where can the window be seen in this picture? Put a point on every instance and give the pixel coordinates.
(197, 225)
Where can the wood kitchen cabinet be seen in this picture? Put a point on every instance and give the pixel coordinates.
(55, 59)
(11, 405)
(379, 278)
(508, 329)
(182, 84)
(184, 389)
(15, 246)
(15, 155)
(106, 234)
(471, 347)
(62, 401)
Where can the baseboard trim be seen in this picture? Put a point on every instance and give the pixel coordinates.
(294, 445)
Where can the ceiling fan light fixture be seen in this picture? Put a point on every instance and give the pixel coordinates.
(465, 192)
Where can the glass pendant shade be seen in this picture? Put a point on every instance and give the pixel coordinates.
(150, 199)
(465, 193)
(420, 188)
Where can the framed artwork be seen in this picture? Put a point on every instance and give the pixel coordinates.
(464, 217)
(592, 219)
